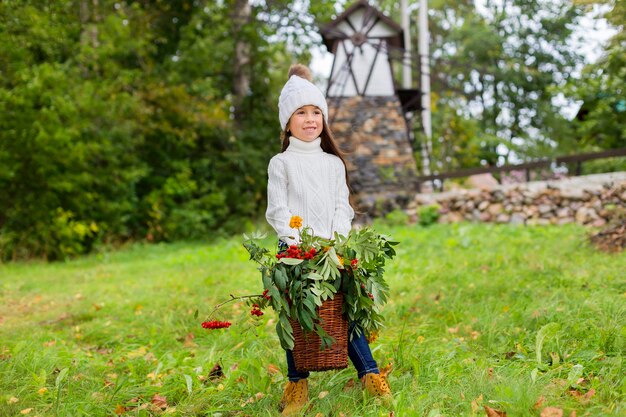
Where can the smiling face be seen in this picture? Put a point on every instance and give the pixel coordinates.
(306, 123)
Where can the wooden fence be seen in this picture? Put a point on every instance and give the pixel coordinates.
(577, 159)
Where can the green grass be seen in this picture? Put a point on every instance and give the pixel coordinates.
(480, 315)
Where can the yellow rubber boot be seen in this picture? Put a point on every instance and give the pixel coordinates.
(295, 397)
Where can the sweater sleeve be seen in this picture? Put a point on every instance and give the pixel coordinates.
(342, 219)
(278, 213)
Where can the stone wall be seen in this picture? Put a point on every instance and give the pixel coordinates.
(372, 133)
(585, 200)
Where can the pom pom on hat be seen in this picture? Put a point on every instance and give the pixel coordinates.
(299, 91)
(301, 71)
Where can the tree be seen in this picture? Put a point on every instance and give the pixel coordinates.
(116, 123)
(495, 77)
(602, 88)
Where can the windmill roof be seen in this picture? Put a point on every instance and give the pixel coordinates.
(330, 31)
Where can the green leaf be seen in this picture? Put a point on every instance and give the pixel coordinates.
(314, 276)
(318, 292)
(309, 302)
(189, 383)
(267, 280)
(305, 320)
(285, 332)
(574, 375)
(280, 279)
(290, 261)
(546, 331)
(61, 377)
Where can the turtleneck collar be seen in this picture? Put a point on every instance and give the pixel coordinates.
(300, 146)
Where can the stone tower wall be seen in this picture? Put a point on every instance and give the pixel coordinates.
(372, 133)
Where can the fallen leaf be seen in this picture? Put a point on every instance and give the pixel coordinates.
(493, 412)
(476, 403)
(119, 409)
(322, 394)
(582, 397)
(12, 400)
(319, 415)
(256, 397)
(189, 340)
(216, 372)
(50, 343)
(42, 391)
(490, 372)
(349, 385)
(26, 411)
(551, 412)
(141, 351)
(392, 414)
(573, 413)
(160, 401)
(538, 403)
(273, 369)
(453, 330)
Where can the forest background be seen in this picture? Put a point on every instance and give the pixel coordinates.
(154, 120)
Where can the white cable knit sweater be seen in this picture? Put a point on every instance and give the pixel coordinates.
(305, 181)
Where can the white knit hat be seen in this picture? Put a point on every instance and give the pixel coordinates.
(296, 93)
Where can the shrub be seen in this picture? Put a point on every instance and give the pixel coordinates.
(428, 214)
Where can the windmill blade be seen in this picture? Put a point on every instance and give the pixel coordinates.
(369, 20)
(335, 33)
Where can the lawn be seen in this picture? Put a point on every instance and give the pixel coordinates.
(482, 318)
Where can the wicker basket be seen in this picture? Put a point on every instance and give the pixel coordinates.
(306, 352)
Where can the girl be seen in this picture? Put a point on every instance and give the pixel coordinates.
(309, 179)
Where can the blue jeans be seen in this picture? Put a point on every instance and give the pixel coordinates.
(358, 351)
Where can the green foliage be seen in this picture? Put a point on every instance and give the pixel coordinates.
(601, 120)
(496, 71)
(300, 279)
(428, 215)
(394, 218)
(118, 116)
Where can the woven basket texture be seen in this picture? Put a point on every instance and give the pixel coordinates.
(306, 352)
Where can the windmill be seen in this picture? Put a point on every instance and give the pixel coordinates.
(367, 109)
